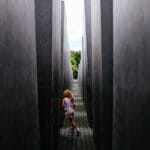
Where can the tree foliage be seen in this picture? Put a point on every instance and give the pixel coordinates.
(75, 61)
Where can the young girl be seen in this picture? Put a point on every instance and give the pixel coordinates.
(68, 104)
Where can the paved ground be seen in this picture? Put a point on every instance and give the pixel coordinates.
(69, 141)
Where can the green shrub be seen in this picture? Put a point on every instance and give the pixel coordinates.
(75, 72)
(75, 61)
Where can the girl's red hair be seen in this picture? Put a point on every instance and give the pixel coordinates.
(68, 94)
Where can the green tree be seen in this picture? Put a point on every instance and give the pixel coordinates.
(75, 61)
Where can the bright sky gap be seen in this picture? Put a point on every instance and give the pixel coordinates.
(74, 10)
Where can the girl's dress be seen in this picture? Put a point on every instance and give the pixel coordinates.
(68, 108)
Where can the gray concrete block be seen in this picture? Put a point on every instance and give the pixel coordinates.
(19, 127)
(131, 75)
(44, 53)
(66, 62)
(97, 72)
(88, 65)
(56, 72)
(48, 35)
(98, 75)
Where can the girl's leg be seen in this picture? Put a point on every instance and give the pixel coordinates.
(74, 125)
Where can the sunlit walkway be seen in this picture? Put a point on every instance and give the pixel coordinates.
(69, 141)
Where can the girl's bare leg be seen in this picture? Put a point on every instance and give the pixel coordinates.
(74, 125)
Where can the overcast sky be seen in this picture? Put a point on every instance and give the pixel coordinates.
(74, 10)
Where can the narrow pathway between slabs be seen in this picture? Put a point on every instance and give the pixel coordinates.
(84, 141)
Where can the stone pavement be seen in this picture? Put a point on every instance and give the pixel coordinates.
(84, 141)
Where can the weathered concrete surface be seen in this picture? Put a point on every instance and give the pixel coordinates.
(100, 65)
(97, 72)
(87, 55)
(56, 72)
(19, 127)
(131, 75)
(107, 69)
(66, 64)
(48, 31)
(66, 72)
(44, 65)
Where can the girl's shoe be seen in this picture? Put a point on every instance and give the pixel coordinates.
(78, 131)
(72, 129)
